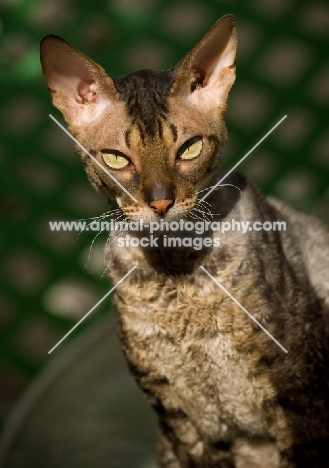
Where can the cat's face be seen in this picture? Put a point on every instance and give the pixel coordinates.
(158, 133)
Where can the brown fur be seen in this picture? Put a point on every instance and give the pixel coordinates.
(226, 395)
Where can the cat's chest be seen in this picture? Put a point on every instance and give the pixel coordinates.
(186, 334)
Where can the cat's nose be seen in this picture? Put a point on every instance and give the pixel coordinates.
(161, 206)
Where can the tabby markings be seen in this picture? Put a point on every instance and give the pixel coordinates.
(93, 158)
(244, 310)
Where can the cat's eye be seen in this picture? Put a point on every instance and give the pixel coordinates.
(115, 159)
(190, 149)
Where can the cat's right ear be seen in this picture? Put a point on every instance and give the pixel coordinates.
(80, 88)
(207, 72)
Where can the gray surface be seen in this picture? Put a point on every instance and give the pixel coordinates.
(84, 411)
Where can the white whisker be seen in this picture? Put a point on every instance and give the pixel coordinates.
(101, 217)
(208, 210)
(103, 229)
(217, 187)
(202, 213)
(108, 244)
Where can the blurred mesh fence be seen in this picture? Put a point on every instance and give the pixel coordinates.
(282, 68)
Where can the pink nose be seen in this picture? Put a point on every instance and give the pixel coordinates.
(161, 206)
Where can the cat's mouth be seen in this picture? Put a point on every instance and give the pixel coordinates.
(167, 210)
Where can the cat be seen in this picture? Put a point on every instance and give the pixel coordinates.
(226, 395)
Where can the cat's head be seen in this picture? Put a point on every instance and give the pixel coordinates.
(158, 133)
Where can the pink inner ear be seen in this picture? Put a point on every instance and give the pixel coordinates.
(204, 64)
(86, 92)
(68, 70)
(216, 52)
(80, 88)
(199, 80)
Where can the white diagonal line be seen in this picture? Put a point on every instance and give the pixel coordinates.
(244, 157)
(244, 310)
(93, 158)
(93, 308)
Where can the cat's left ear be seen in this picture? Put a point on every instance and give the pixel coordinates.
(207, 73)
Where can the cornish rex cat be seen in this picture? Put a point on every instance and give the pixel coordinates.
(226, 394)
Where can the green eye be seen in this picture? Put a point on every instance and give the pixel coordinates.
(191, 149)
(115, 160)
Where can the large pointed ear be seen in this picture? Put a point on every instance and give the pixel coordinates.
(207, 73)
(80, 87)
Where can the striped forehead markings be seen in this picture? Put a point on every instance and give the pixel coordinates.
(145, 93)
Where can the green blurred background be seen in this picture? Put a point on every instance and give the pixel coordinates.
(47, 280)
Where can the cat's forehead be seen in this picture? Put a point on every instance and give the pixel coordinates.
(154, 114)
(145, 94)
